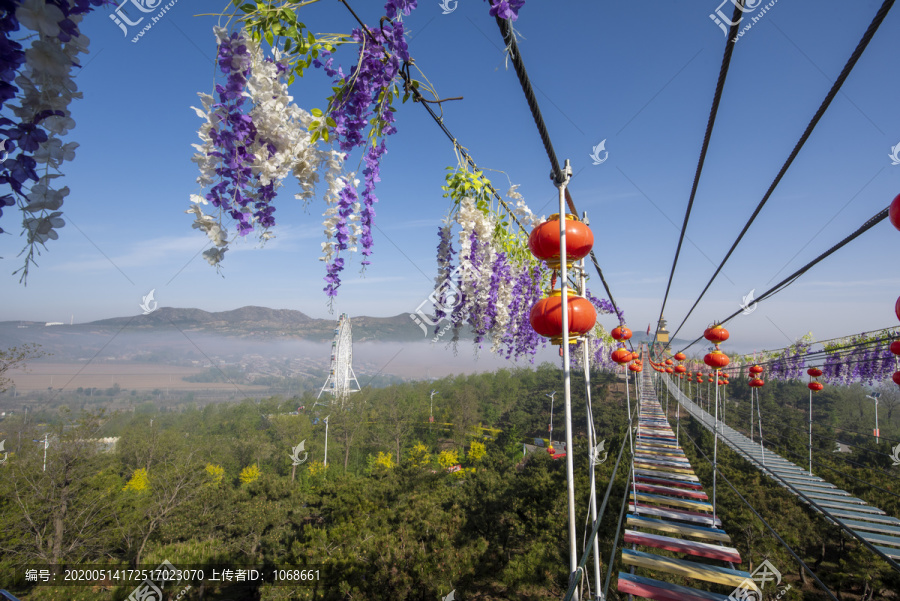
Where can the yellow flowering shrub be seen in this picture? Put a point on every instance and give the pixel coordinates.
(139, 482)
(250, 474)
(419, 455)
(215, 472)
(448, 458)
(384, 460)
(315, 468)
(476, 451)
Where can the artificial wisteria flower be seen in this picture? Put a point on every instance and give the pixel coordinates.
(39, 77)
(253, 137)
(506, 9)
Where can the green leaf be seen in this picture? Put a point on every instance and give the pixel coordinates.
(269, 37)
(316, 112)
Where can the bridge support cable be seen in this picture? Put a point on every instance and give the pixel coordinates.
(835, 88)
(869, 224)
(711, 121)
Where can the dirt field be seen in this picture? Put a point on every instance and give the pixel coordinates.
(129, 376)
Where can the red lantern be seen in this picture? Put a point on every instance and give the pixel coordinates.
(635, 367)
(669, 370)
(669, 362)
(621, 355)
(550, 450)
(896, 378)
(544, 241)
(894, 212)
(680, 356)
(716, 334)
(897, 307)
(634, 356)
(895, 347)
(756, 369)
(756, 383)
(815, 386)
(814, 372)
(680, 369)
(716, 359)
(621, 333)
(546, 316)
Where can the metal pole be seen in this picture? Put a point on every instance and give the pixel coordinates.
(325, 463)
(762, 447)
(592, 440)
(564, 294)
(751, 414)
(877, 432)
(715, 454)
(810, 431)
(551, 395)
(46, 444)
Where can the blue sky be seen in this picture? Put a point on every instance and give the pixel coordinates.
(638, 74)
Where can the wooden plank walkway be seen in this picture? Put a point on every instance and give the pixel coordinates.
(670, 527)
(871, 523)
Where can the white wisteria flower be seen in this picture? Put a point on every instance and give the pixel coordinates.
(40, 16)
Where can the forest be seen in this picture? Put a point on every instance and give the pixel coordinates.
(406, 508)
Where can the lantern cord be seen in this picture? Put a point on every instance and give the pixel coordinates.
(835, 88)
(713, 111)
(875, 220)
(519, 65)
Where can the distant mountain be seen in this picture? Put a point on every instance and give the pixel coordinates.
(246, 322)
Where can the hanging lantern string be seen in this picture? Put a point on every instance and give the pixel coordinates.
(519, 65)
(875, 220)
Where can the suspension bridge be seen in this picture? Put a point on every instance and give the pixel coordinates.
(862, 520)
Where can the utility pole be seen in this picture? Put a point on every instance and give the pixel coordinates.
(551, 395)
(431, 410)
(325, 463)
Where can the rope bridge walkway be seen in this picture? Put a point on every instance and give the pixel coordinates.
(670, 512)
(868, 523)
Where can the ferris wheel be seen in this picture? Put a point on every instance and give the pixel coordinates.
(341, 379)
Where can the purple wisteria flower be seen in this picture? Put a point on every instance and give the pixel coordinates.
(364, 100)
(506, 9)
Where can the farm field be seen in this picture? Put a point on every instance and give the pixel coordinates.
(129, 376)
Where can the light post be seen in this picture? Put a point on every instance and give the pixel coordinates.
(551, 395)
(325, 463)
(431, 410)
(874, 396)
